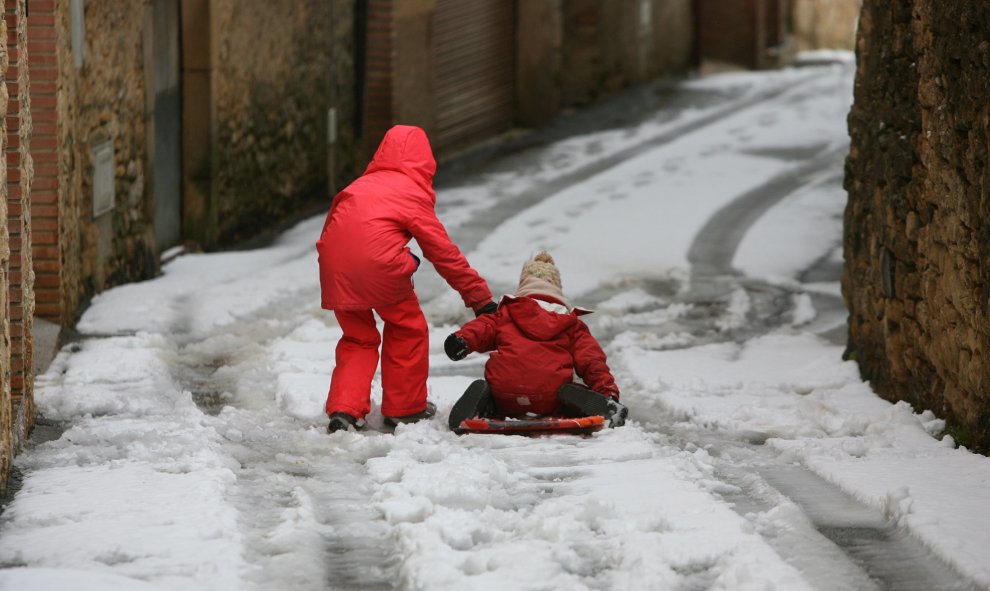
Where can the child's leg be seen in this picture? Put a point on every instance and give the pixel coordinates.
(580, 401)
(476, 401)
(357, 359)
(405, 358)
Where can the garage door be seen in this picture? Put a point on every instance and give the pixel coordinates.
(473, 68)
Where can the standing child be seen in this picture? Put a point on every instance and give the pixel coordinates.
(538, 344)
(366, 266)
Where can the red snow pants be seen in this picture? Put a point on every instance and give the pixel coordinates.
(405, 360)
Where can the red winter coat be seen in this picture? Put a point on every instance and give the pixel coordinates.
(535, 352)
(364, 260)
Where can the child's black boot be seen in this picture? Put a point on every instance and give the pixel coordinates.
(428, 412)
(341, 421)
(476, 401)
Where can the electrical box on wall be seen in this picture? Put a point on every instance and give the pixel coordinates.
(103, 178)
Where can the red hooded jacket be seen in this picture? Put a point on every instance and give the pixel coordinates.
(535, 352)
(364, 260)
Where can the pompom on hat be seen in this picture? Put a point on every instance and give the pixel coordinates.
(542, 267)
(540, 277)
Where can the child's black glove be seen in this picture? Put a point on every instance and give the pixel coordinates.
(455, 347)
(489, 308)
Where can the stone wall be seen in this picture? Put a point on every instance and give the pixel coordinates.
(917, 224)
(16, 277)
(271, 92)
(20, 175)
(825, 24)
(102, 101)
(6, 435)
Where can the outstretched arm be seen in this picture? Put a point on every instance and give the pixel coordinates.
(480, 332)
(448, 259)
(590, 364)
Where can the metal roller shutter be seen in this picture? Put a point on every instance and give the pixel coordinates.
(473, 70)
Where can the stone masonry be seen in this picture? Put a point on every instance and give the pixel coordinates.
(101, 101)
(6, 439)
(917, 224)
(272, 87)
(16, 277)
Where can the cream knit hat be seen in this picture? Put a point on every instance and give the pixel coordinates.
(540, 277)
(542, 267)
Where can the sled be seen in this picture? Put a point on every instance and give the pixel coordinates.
(533, 426)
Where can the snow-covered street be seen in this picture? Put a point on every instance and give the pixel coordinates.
(192, 450)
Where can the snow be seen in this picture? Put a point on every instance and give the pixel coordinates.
(195, 454)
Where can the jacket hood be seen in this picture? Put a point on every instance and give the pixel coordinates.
(535, 322)
(406, 149)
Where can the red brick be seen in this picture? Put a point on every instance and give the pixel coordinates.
(39, 21)
(44, 211)
(44, 252)
(39, 47)
(41, 7)
(41, 87)
(51, 281)
(41, 224)
(42, 266)
(43, 33)
(46, 169)
(47, 59)
(42, 102)
(45, 239)
(44, 115)
(49, 297)
(46, 197)
(48, 311)
(44, 143)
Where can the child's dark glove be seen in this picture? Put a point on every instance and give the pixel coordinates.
(616, 413)
(455, 347)
(489, 308)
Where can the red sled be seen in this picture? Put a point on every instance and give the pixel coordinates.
(533, 426)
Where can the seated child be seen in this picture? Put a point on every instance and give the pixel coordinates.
(538, 344)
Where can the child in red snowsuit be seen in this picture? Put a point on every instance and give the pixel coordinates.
(366, 266)
(538, 343)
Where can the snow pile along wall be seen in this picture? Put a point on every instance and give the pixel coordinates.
(917, 225)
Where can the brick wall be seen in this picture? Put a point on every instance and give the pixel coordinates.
(19, 176)
(16, 275)
(44, 151)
